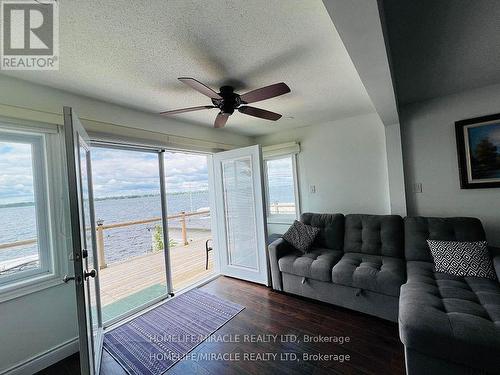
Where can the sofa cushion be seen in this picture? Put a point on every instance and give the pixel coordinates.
(439, 311)
(462, 258)
(418, 230)
(301, 236)
(316, 264)
(374, 234)
(331, 234)
(376, 273)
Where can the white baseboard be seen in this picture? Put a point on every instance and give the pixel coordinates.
(43, 360)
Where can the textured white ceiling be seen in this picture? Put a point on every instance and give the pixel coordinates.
(131, 53)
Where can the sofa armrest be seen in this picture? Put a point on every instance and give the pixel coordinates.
(494, 251)
(495, 256)
(496, 264)
(276, 250)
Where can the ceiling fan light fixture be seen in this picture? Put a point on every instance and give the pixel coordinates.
(227, 101)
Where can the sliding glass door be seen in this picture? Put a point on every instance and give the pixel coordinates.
(191, 242)
(142, 197)
(130, 234)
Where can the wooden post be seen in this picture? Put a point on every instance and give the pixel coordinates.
(100, 244)
(183, 228)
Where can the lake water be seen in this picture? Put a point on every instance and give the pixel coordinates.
(18, 223)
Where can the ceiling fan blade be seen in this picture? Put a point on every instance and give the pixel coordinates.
(260, 113)
(190, 109)
(265, 93)
(221, 120)
(200, 87)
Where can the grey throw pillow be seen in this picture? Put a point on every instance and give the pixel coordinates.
(301, 236)
(462, 258)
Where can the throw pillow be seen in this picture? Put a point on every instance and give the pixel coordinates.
(462, 258)
(301, 236)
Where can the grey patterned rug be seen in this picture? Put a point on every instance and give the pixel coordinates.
(156, 340)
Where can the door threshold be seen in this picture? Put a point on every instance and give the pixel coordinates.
(138, 311)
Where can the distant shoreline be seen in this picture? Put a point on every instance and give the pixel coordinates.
(117, 197)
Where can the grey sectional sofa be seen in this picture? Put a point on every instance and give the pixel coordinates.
(381, 265)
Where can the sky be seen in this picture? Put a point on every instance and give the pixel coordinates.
(120, 173)
(115, 172)
(16, 173)
(280, 175)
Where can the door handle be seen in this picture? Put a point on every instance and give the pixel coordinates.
(67, 278)
(91, 273)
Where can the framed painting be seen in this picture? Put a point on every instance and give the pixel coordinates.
(478, 147)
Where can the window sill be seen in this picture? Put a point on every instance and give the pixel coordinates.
(281, 220)
(33, 284)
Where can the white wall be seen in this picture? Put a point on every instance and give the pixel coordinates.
(38, 322)
(34, 324)
(430, 158)
(346, 160)
(22, 98)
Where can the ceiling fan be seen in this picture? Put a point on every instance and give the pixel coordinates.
(227, 101)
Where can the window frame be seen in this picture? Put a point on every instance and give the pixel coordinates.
(282, 218)
(50, 190)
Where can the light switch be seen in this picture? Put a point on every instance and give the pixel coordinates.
(312, 189)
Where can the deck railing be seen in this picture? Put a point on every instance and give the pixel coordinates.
(17, 243)
(101, 227)
(281, 208)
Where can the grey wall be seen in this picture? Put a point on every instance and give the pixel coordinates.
(395, 169)
(430, 158)
(346, 160)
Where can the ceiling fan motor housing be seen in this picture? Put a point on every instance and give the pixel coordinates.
(226, 101)
(230, 100)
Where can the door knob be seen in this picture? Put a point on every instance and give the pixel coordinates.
(67, 278)
(91, 273)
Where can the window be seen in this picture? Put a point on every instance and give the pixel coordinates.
(282, 197)
(25, 246)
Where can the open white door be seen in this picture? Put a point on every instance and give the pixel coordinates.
(83, 231)
(240, 214)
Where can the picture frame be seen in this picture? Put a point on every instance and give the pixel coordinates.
(478, 151)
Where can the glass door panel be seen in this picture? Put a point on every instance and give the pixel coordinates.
(189, 218)
(88, 234)
(239, 211)
(84, 243)
(129, 230)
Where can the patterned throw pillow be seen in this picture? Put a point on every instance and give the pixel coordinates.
(462, 258)
(301, 236)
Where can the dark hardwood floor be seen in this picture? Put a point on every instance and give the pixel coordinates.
(374, 346)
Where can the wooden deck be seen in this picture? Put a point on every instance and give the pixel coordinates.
(120, 280)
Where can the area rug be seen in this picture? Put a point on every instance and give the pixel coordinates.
(156, 340)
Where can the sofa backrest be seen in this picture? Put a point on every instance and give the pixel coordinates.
(374, 234)
(331, 235)
(419, 229)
